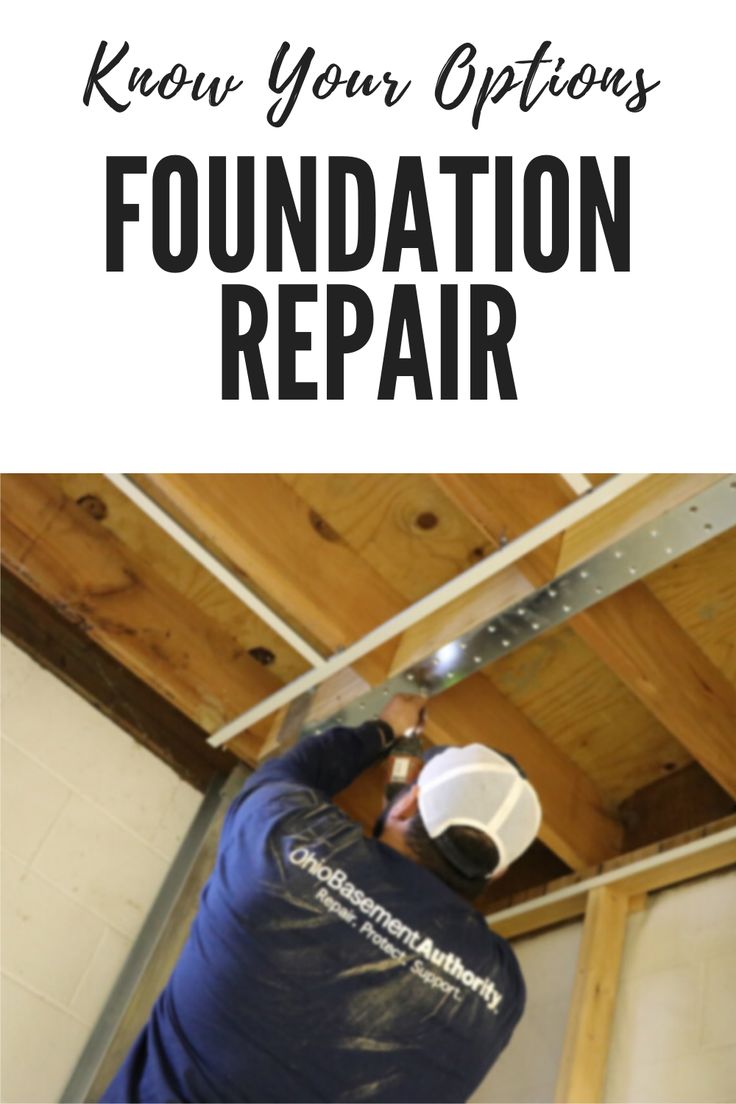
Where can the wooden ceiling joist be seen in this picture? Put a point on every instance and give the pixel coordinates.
(379, 641)
(638, 506)
(567, 691)
(117, 514)
(212, 564)
(645, 647)
(631, 632)
(82, 570)
(270, 535)
(577, 826)
(68, 651)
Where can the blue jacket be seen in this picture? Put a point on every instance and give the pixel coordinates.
(321, 965)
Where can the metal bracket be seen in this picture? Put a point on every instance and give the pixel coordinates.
(679, 530)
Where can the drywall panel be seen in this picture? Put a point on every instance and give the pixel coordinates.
(90, 823)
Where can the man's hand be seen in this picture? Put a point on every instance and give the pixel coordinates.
(402, 712)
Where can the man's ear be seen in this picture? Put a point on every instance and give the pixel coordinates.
(406, 806)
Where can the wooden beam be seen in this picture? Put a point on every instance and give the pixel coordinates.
(115, 512)
(334, 694)
(638, 506)
(631, 632)
(66, 649)
(576, 825)
(505, 506)
(666, 670)
(651, 868)
(289, 553)
(375, 642)
(92, 579)
(404, 526)
(700, 593)
(585, 1050)
(686, 799)
(461, 616)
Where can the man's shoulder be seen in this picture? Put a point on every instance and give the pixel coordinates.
(269, 804)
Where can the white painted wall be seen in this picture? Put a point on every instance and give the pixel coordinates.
(527, 1069)
(90, 823)
(674, 1035)
(674, 1032)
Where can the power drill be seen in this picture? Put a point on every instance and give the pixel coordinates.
(406, 759)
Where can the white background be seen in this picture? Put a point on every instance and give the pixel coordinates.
(614, 371)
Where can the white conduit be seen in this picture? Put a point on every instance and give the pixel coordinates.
(473, 577)
(618, 874)
(213, 565)
(580, 484)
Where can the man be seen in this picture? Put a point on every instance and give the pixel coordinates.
(325, 966)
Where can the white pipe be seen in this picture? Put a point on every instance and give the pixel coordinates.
(213, 565)
(618, 874)
(440, 597)
(580, 484)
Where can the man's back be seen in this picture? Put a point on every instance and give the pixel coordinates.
(323, 966)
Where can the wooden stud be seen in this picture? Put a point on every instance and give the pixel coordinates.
(585, 1050)
(638, 902)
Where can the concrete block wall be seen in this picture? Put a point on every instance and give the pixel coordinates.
(674, 1031)
(90, 823)
(527, 1069)
(674, 1034)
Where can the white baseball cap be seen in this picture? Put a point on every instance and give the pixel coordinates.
(480, 788)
